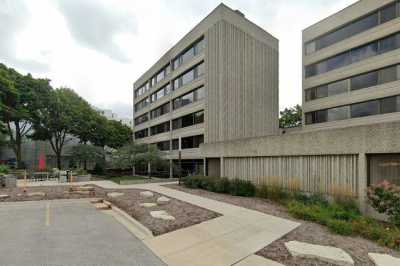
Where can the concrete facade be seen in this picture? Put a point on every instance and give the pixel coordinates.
(238, 63)
(384, 27)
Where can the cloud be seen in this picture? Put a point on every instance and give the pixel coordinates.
(95, 24)
(14, 16)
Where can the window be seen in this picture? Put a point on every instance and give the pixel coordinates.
(388, 13)
(388, 74)
(321, 92)
(163, 145)
(160, 76)
(338, 113)
(338, 87)
(364, 81)
(188, 54)
(354, 55)
(142, 104)
(189, 76)
(164, 91)
(175, 144)
(192, 142)
(142, 134)
(142, 119)
(384, 167)
(365, 109)
(188, 120)
(362, 24)
(160, 128)
(189, 98)
(389, 105)
(162, 110)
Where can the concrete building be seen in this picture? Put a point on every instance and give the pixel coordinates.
(218, 83)
(351, 131)
(351, 66)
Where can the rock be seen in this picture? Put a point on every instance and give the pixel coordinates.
(163, 215)
(96, 201)
(324, 253)
(102, 206)
(36, 194)
(4, 196)
(115, 194)
(146, 194)
(383, 259)
(163, 200)
(148, 205)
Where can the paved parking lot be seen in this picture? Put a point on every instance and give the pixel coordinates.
(66, 232)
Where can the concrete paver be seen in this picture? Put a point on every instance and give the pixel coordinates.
(384, 259)
(254, 260)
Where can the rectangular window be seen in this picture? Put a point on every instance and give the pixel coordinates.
(384, 167)
(199, 117)
(365, 109)
(189, 53)
(142, 134)
(162, 110)
(310, 48)
(188, 120)
(175, 144)
(364, 81)
(192, 142)
(160, 76)
(363, 52)
(142, 119)
(199, 94)
(200, 70)
(388, 74)
(338, 113)
(142, 104)
(338, 87)
(161, 128)
(188, 98)
(388, 44)
(389, 105)
(163, 145)
(321, 92)
(388, 13)
(187, 77)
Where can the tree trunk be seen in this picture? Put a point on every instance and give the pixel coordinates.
(58, 155)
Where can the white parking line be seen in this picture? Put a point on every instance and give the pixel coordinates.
(48, 214)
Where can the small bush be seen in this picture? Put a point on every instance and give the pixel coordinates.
(340, 227)
(243, 188)
(99, 169)
(4, 169)
(385, 198)
(222, 185)
(344, 196)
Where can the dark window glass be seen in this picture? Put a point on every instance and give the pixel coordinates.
(199, 94)
(163, 145)
(189, 54)
(161, 128)
(363, 52)
(309, 118)
(388, 13)
(338, 113)
(176, 63)
(310, 94)
(141, 119)
(187, 120)
(364, 81)
(199, 117)
(163, 109)
(310, 47)
(321, 92)
(199, 47)
(320, 116)
(175, 144)
(200, 70)
(176, 83)
(389, 105)
(365, 109)
(311, 70)
(187, 77)
(338, 87)
(363, 24)
(160, 76)
(192, 142)
(141, 133)
(388, 74)
(388, 44)
(335, 62)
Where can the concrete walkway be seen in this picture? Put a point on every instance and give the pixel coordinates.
(226, 240)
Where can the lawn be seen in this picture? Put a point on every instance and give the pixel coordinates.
(118, 179)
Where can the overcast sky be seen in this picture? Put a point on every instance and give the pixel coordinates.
(100, 47)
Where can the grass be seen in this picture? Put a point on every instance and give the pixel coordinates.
(118, 179)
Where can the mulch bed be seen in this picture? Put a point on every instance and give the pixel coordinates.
(185, 214)
(357, 247)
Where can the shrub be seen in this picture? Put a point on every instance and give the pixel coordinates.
(243, 188)
(4, 169)
(340, 227)
(222, 185)
(385, 198)
(344, 196)
(99, 169)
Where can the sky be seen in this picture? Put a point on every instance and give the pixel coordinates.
(100, 47)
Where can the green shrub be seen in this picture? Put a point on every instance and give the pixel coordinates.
(340, 227)
(243, 188)
(222, 185)
(4, 169)
(272, 192)
(385, 198)
(99, 169)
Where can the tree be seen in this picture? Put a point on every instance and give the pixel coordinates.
(118, 134)
(88, 153)
(58, 120)
(290, 117)
(21, 99)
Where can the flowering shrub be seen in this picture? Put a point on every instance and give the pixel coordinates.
(385, 198)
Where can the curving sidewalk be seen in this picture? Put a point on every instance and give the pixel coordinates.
(228, 240)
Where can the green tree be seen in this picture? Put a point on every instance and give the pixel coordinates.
(117, 134)
(291, 117)
(85, 153)
(58, 121)
(22, 97)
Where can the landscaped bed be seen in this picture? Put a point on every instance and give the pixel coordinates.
(185, 214)
(310, 232)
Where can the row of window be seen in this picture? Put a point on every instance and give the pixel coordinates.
(188, 120)
(160, 128)
(142, 133)
(379, 16)
(188, 54)
(192, 74)
(354, 55)
(374, 107)
(188, 98)
(186, 143)
(362, 81)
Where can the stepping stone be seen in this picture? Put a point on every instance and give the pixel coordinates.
(115, 194)
(163, 200)
(324, 253)
(34, 194)
(148, 205)
(383, 259)
(4, 196)
(146, 194)
(102, 206)
(163, 215)
(96, 201)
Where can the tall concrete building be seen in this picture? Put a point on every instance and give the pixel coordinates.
(218, 83)
(351, 66)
